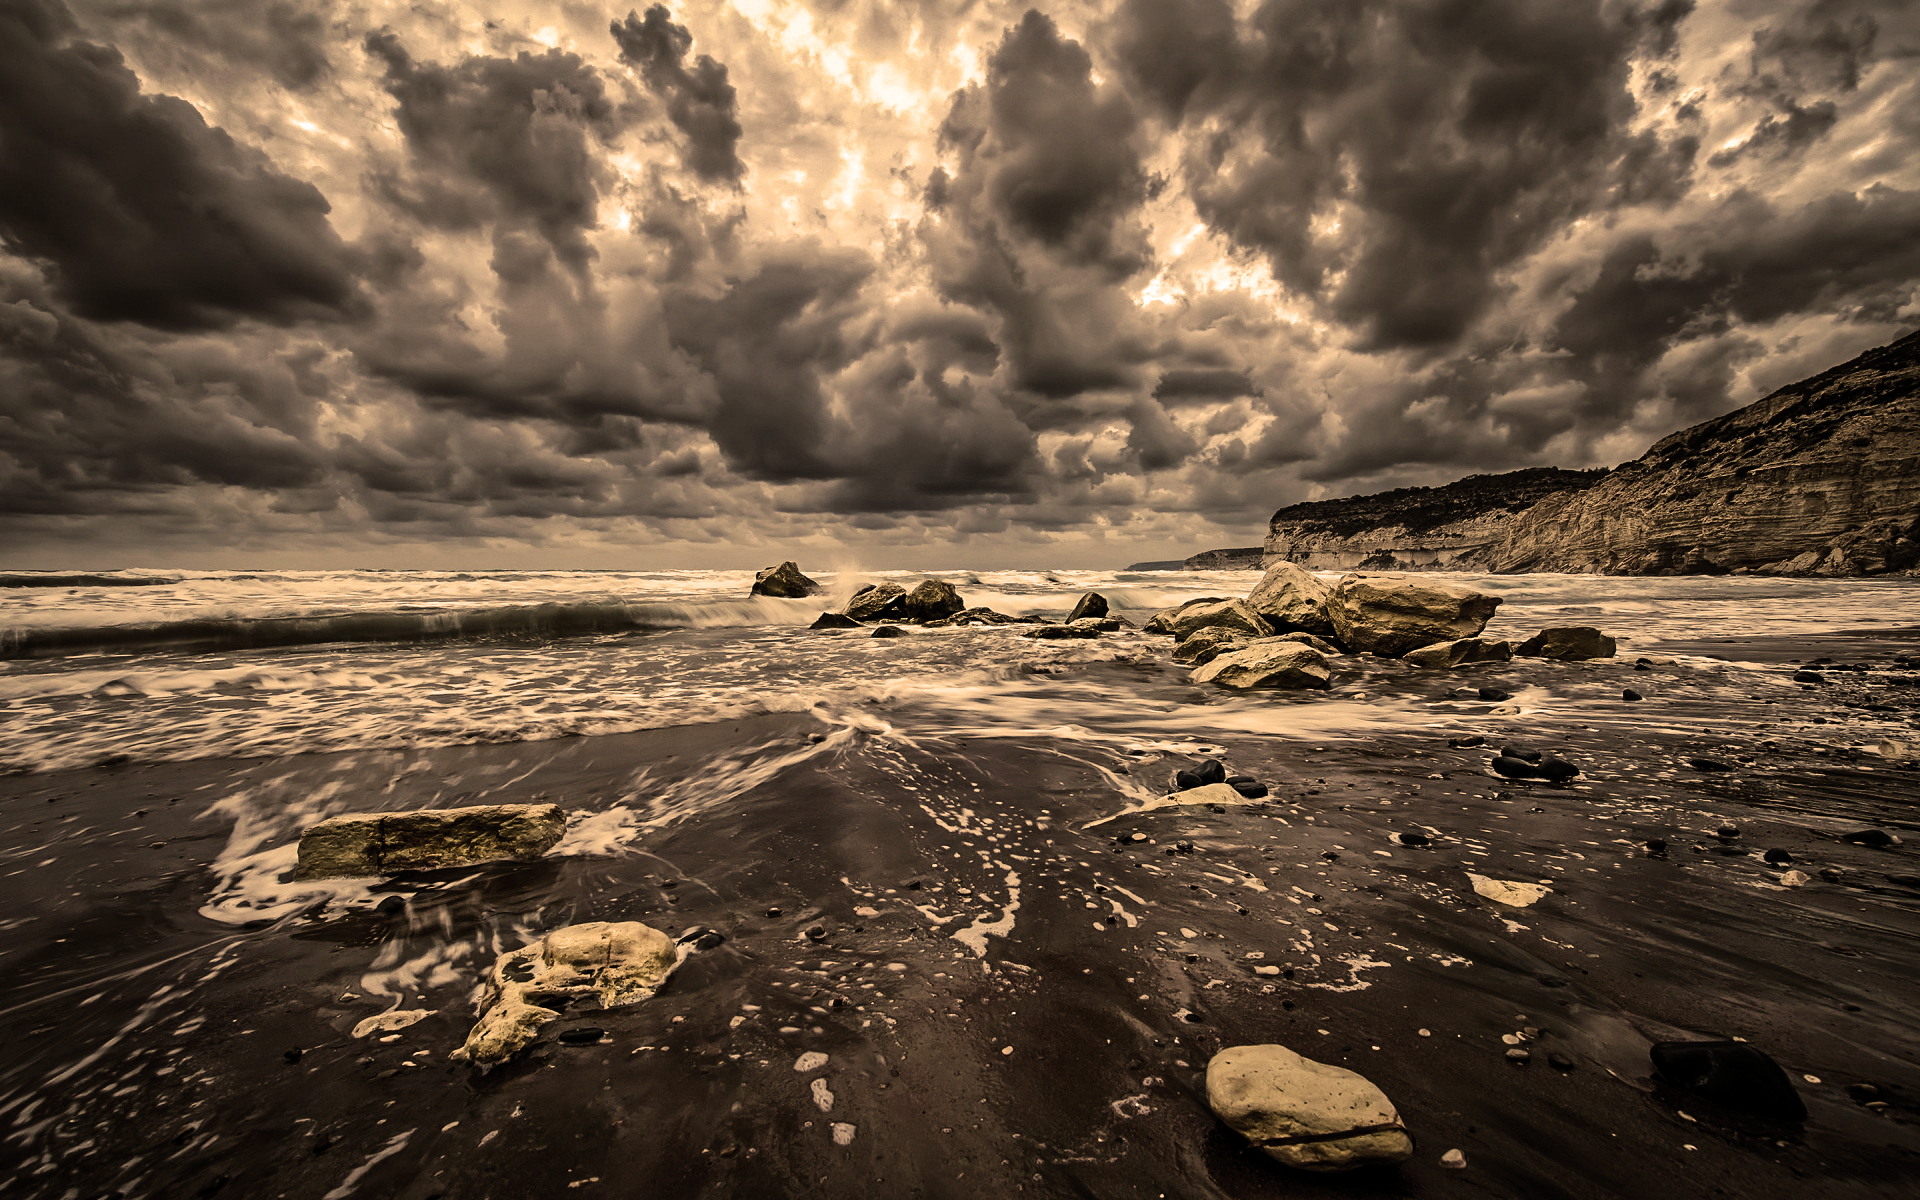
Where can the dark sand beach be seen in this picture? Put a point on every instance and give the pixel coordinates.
(155, 1051)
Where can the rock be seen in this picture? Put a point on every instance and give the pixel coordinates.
(1237, 558)
(1519, 1057)
(355, 844)
(1247, 786)
(932, 600)
(1809, 677)
(1273, 665)
(828, 620)
(601, 962)
(1727, 833)
(1795, 879)
(1567, 643)
(1467, 743)
(1211, 795)
(1458, 653)
(1630, 695)
(1047, 633)
(1876, 838)
(1557, 770)
(1206, 772)
(1509, 893)
(1291, 599)
(981, 616)
(1204, 645)
(1709, 764)
(1514, 768)
(1776, 858)
(784, 581)
(1522, 753)
(1305, 1114)
(585, 1036)
(1559, 1061)
(1232, 615)
(887, 631)
(1093, 604)
(877, 601)
(1735, 1074)
(1307, 639)
(1162, 621)
(1411, 839)
(1389, 616)
(1454, 1160)
(1097, 624)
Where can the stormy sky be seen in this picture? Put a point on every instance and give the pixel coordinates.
(950, 282)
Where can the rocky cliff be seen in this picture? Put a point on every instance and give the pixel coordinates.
(1414, 529)
(1242, 558)
(1820, 478)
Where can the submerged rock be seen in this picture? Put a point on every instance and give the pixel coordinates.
(355, 844)
(1275, 664)
(887, 631)
(1231, 615)
(784, 581)
(828, 620)
(1309, 1115)
(1290, 598)
(980, 616)
(1093, 604)
(602, 963)
(1735, 1074)
(1459, 653)
(1048, 633)
(1388, 616)
(1567, 643)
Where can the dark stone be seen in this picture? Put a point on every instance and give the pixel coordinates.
(1630, 694)
(1495, 695)
(293, 1054)
(1559, 1061)
(1809, 677)
(816, 933)
(1181, 848)
(1642, 666)
(1521, 753)
(1709, 764)
(1557, 769)
(581, 1037)
(1656, 845)
(887, 631)
(1734, 1074)
(1247, 786)
(784, 581)
(1567, 643)
(1776, 857)
(1466, 743)
(773, 912)
(877, 601)
(835, 621)
(1514, 768)
(1093, 604)
(1413, 839)
(392, 906)
(1727, 832)
(1056, 632)
(1875, 838)
(1185, 781)
(1210, 771)
(702, 938)
(932, 600)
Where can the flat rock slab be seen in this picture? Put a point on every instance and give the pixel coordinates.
(357, 844)
(1306, 1114)
(1507, 892)
(601, 964)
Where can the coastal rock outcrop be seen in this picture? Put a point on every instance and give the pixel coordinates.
(1272, 663)
(358, 844)
(1569, 643)
(1239, 558)
(602, 963)
(932, 600)
(1309, 1115)
(877, 601)
(1290, 598)
(1093, 604)
(1388, 616)
(1223, 614)
(784, 581)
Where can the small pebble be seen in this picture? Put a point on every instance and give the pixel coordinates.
(1519, 1057)
(1630, 694)
(1453, 1160)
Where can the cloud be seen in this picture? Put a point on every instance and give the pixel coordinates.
(145, 212)
(700, 101)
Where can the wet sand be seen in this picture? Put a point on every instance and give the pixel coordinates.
(156, 1052)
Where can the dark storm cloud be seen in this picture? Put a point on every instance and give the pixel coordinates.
(1449, 139)
(145, 212)
(523, 129)
(700, 102)
(1773, 136)
(288, 40)
(1824, 46)
(1203, 384)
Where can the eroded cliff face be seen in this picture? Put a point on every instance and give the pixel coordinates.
(1822, 477)
(1414, 529)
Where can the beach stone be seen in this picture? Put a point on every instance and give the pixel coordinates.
(1225, 614)
(1162, 621)
(1467, 743)
(356, 844)
(1568, 643)
(1308, 1115)
(1307, 639)
(1709, 764)
(1630, 695)
(1093, 604)
(1875, 838)
(1514, 768)
(1205, 645)
(784, 581)
(1511, 750)
(1795, 879)
(932, 600)
(1808, 677)
(875, 601)
(609, 963)
(827, 620)
(1559, 1061)
(1045, 633)
(1247, 786)
(1274, 665)
(887, 631)
(1454, 1160)
(981, 616)
(1388, 616)
(1736, 1074)
(1508, 892)
(1495, 695)
(1458, 653)
(1776, 858)
(1557, 770)
(1290, 598)
(1207, 770)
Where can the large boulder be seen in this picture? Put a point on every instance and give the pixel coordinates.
(1272, 664)
(877, 601)
(1459, 654)
(1093, 604)
(1207, 644)
(1221, 614)
(1569, 643)
(602, 963)
(784, 581)
(358, 844)
(1306, 1114)
(932, 600)
(1162, 621)
(1290, 598)
(1388, 616)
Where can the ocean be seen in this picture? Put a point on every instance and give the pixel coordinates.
(940, 860)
